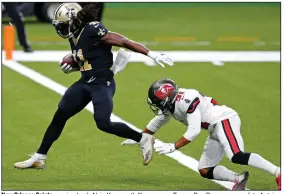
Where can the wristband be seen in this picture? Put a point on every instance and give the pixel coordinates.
(152, 55)
(175, 146)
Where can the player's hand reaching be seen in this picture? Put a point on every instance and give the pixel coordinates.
(115, 39)
(165, 148)
(161, 59)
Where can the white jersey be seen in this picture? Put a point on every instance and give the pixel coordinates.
(210, 111)
(195, 111)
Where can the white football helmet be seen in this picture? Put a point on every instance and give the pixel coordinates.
(63, 19)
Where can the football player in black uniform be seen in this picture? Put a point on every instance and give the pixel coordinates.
(91, 45)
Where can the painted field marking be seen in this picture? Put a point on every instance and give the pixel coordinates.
(180, 157)
(178, 56)
(155, 43)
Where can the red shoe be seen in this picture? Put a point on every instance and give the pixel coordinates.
(241, 185)
(278, 182)
(235, 185)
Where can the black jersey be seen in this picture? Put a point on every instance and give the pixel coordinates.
(94, 57)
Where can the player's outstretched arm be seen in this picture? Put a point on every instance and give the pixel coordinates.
(181, 142)
(193, 130)
(115, 39)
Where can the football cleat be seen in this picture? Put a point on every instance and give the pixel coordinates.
(147, 145)
(242, 184)
(37, 161)
(278, 182)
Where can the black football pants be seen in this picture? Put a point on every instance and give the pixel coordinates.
(17, 18)
(76, 97)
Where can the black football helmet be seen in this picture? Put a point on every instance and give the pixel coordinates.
(162, 95)
(64, 19)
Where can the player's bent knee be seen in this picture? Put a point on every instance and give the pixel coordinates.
(104, 125)
(241, 158)
(207, 172)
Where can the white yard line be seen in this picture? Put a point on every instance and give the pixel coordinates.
(60, 89)
(160, 43)
(178, 56)
(146, 43)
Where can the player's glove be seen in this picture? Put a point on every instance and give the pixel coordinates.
(161, 59)
(67, 68)
(165, 148)
(128, 142)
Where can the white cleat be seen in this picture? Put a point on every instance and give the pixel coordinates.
(242, 184)
(147, 145)
(36, 161)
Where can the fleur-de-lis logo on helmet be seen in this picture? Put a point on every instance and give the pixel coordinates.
(63, 19)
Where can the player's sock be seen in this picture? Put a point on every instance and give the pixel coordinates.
(257, 161)
(223, 174)
(278, 172)
(53, 132)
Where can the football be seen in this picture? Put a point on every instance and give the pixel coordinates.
(70, 60)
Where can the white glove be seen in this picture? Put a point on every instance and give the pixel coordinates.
(165, 148)
(128, 142)
(121, 60)
(161, 59)
(67, 68)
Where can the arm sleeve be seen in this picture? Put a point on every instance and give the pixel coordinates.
(96, 30)
(194, 125)
(157, 122)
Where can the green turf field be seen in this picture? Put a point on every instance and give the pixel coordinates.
(182, 26)
(85, 158)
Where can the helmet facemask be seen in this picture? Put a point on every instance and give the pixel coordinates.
(156, 108)
(161, 107)
(62, 28)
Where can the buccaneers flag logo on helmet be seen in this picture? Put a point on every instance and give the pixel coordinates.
(164, 91)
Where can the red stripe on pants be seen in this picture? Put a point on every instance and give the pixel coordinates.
(230, 136)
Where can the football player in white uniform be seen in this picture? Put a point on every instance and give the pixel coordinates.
(197, 111)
